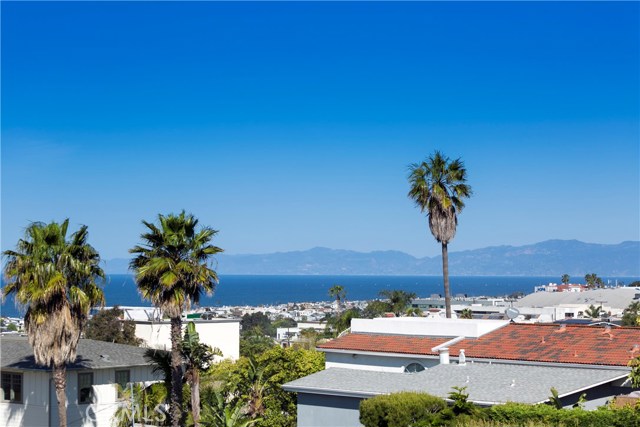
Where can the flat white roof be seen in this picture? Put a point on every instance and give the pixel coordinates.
(422, 326)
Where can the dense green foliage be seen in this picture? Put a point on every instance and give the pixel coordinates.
(520, 414)
(257, 322)
(634, 375)
(398, 300)
(421, 409)
(256, 384)
(631, 314)
(108, 325)
(401, 410)
(340, 322)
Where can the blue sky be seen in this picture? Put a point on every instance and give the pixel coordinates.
(290, 125)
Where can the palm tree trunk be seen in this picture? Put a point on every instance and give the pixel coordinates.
(445, 274)
(60, 381)
(195, 397)
(176, 372)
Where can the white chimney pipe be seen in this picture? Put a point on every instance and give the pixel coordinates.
(444, 356)
(462, 359)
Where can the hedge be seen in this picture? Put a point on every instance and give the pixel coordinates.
(521, 414)
(401, 410)
(421, 409)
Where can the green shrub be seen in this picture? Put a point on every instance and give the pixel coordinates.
(518, 414)
(401, 410)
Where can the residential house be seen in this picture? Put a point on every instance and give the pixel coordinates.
(28, 397)
(497, 361)
(221, 333)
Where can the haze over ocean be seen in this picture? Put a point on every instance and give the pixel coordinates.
(267, 290)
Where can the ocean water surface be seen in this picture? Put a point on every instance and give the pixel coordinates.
(120, 289)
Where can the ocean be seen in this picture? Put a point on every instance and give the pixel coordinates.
(120, 289)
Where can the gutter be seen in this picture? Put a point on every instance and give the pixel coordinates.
(364, 394)
(378, 353)
(569, 393)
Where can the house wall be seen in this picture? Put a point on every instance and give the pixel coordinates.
(315, 410)
(421, 326)
(40, 405)
(35, 397)
(221, 333)
(374, 362)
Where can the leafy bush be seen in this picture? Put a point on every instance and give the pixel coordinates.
(401, 410)
(518, 414)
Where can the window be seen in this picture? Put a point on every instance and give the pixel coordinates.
(122, 380)
(414, 367)
(85, 387)
(12, 387)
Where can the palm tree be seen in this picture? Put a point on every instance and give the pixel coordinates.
(197, 357)
(593, 311)
(227, 414)
(466, 313)
(337, 292)
(172, 270)
(565, 279)
(593, 281)
(55, 279)
(438, 187)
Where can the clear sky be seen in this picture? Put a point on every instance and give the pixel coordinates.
(291, 125)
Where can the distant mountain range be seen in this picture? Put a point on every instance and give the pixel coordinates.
(549, 258)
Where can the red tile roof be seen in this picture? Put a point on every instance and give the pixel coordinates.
(553, 343)
(407, 344)
(525, 342)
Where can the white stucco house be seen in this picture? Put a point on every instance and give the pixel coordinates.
(497, 361)
(155, 331)
(28, 396)
(222, 333)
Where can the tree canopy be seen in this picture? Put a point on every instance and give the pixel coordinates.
(109, 325)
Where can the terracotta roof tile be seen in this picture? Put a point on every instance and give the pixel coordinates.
(526, 342)
(557, 344)
(406, 344)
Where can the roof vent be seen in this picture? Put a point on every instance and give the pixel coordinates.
(105, 357)
(462, 359)
(563, 328)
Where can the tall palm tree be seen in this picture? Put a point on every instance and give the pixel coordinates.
(55, 279)
(438, 187)
(172, 269)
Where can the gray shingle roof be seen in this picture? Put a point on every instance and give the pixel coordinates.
(486, 383)
(15, 352)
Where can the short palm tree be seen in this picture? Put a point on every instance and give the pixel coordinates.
(565, 279)
(438, 187)
(56, 280)
(337, 292)
(593, 311)
(197, 357)
(172, 269)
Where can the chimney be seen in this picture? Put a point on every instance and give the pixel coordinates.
(444, 356)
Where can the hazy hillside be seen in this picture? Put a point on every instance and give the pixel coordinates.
(552, 257)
